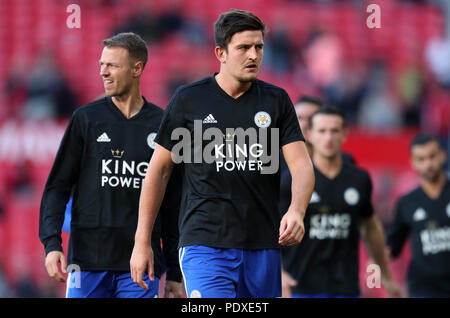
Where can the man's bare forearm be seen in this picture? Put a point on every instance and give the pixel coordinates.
(302, 186)
(152, 194)
(373, 236)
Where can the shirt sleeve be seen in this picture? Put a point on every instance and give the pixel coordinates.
(289, 127)
(62, 177)
(169, 211)
(398, 231)
(367, 210)
(173, 118)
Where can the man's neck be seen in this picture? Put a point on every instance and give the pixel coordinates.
(328, 166)
(434, 188)
(129, 104)
(231, 86)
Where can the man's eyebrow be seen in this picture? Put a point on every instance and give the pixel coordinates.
(249, 44)
(107, 63)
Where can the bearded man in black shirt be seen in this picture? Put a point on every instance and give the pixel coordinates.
(423, 216)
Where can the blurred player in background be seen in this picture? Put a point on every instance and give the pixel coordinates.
(304, 108)
(423, 216)
(326, 262)
(230, 228)
(104, 155)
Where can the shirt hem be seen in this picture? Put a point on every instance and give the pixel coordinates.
(230, 245)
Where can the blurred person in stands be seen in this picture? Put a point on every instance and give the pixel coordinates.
(339, 80)
(410, 89)
(49, 95)
(103, 156)
(423, 216)
(172, 19)
(278, 47)
(437, 58)
(5, 287)
(16, 86)
(25, 286)
(154, 26)
(144, 22)
(379, 108)
(326, 262)
(23, 185)
(2, 208)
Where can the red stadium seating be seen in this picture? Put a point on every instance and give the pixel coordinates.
(29, 27)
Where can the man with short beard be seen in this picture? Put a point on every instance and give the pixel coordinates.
(423, 216)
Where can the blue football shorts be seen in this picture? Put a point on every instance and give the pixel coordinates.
(108, 284)
(230, 273)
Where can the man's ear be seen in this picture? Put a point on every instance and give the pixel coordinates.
(138, 68)
(345, 133)
(443, 155)
(221, 54)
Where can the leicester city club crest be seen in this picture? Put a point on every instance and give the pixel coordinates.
(262, 119)
(151, 140)
(351, 196)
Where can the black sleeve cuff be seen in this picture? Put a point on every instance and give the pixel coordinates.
(174, 274)
(53, 244)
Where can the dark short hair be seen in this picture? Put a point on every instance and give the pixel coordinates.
(234, 21)
(311, 99)
(421, 139)
(328, 110)
(132, 42)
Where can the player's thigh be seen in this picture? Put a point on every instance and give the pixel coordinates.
(210, 272)
(260, 275)
(127, 288)
(90, 284)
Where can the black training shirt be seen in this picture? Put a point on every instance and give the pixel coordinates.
(104, 156)
(231, 202)
(326, 260)
(286, 181)
(426, 222)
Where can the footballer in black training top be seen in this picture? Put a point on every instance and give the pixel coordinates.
(103, 157)
(331, 242)
(228, 130)
(423, 216)
(326, 262)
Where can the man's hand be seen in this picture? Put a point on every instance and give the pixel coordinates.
(286, 283)
(141, 259)
(393, 289)
(292, 228)
(51, 264)
(174, 288)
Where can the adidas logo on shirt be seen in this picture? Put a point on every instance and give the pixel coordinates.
(103, 138)
(209, 119)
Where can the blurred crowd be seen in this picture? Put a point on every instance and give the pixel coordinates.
(374, 96)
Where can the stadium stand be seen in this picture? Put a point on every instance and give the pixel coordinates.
(28, 28)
